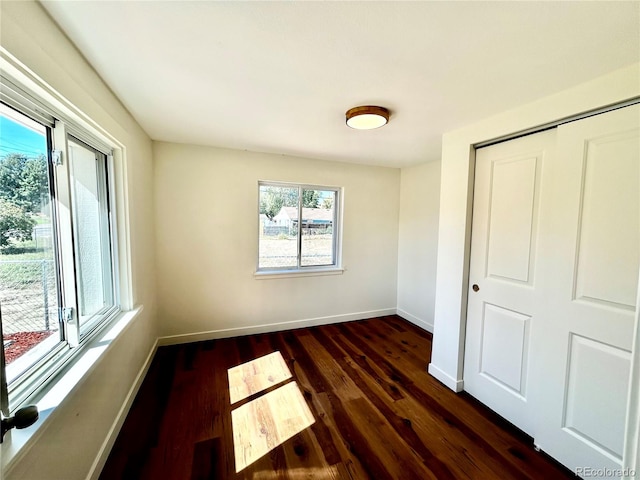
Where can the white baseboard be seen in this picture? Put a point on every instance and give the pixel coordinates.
(271, 327)
(105, 449)
(428, 326)
(446, 379)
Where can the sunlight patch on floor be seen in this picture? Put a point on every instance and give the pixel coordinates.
(266, 422)
(262, 424)
(323, 473)
(257, 375)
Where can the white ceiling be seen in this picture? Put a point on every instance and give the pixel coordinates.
(279, 76)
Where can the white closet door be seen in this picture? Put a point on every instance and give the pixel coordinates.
(555, 256)
(504, 298)
(590, 237)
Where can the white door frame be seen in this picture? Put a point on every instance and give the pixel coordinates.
(456, 202)
(631, 455)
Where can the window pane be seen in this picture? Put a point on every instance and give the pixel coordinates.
(278, 227)
(28, 271)
(317, 227)
(91, 230)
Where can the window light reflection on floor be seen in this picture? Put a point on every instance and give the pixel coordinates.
(257, 375)
(266, 422)
(331, 472)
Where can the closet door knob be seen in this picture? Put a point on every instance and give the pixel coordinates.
(475, 287)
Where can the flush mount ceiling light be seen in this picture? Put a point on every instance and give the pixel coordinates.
(367, 117)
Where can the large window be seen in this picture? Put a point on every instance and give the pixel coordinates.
(57, 255)
(298, 227)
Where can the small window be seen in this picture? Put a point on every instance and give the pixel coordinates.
(298, 227)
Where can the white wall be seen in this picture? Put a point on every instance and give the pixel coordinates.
(72, 438)
(418, 242)
(456, 200)
(207, 241)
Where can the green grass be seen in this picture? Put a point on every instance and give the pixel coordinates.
(15, 274)
(41, 219)
(28, 255)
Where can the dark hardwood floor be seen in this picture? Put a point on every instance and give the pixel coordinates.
(379, 414)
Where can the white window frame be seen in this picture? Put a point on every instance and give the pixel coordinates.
(301, 270)
(28, 94)
(75, 329)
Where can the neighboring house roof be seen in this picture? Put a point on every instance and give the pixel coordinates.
(308, 214)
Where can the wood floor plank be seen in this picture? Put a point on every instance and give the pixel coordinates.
(333, 446)
(409, 418)
(463, 416)
(378, 413)
(401, 424)
(206, 460)
(302, 453)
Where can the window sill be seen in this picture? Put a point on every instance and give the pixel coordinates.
(316, 272)
(18, 442)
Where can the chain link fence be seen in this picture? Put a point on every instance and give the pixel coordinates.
(28, 296)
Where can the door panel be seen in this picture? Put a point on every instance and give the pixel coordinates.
(510, 218)
(590, 237)
(600, 373)
(504, 252)
(504, 348)
(610, 172)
